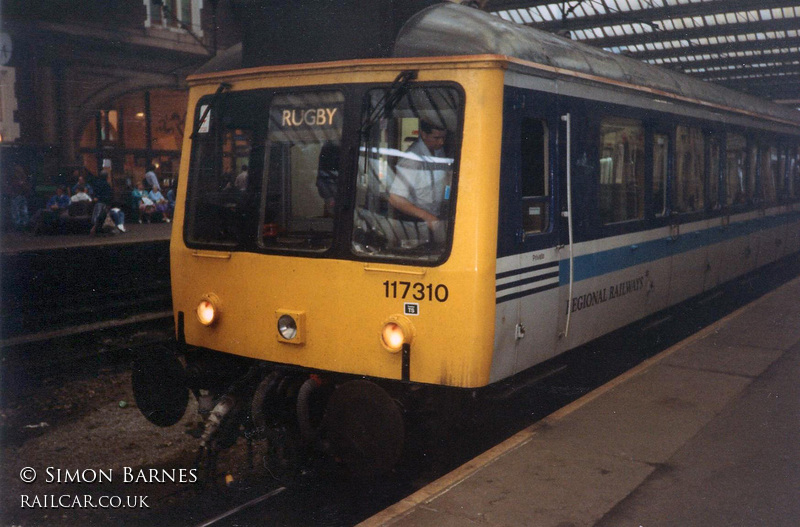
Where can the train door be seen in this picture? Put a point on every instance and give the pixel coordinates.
(731, 253)
(528, 265)
(661, 169)
(792, 193)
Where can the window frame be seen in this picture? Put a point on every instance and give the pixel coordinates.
(168, 23)
(547, 171)
(645, 180)
(264, 179)
(360, 98)
(354, 99)
(746, 176)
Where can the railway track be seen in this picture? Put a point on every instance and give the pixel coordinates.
(105, 341)
(64, 309)
(40, 315)
(68, 288)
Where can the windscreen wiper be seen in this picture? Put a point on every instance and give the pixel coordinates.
(387, 103)
(384, 107)
(221, 88)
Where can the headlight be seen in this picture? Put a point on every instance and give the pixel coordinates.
(287, 327)
(208, 310)
(291, 325)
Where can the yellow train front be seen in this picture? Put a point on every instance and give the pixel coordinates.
(290, 261)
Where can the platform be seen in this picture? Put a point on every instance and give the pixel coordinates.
(18, 242)
(704, 434)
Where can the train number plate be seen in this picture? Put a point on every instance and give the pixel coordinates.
(415, 291)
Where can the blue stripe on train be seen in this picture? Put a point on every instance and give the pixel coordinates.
(604, 262)
(592, 265)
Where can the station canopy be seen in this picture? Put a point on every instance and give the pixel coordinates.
(752, 46)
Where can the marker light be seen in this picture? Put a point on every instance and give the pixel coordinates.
(206, 313)
(208, 310)
(287, 327)
(397, 330)
(393, 336)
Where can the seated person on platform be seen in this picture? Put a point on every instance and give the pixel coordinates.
(136, 198)
(170, 194)
(82, 183)
(421, 183)
(80, 195)
(160, 202)
(103, 196)
(145, 205)
(50, 215)
(80, 204)
(59, 202)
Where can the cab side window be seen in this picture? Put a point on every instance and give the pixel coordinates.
(535, 180)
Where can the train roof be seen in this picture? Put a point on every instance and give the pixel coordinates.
(451, 29)
(448, 29)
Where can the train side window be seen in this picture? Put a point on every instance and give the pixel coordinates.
(752, 156)
(535, 175)
(735, 170)
(769, 174)
(660, 168)
(714, 159)
(794, 172)
(783, 175)
(621, 169)
(688, 195)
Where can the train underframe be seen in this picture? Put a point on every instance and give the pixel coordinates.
(358, 423)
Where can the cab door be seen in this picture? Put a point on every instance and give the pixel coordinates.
(528, 261)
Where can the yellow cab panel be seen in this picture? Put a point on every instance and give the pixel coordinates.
(288, 222)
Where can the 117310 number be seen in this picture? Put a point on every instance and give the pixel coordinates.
(416, 291)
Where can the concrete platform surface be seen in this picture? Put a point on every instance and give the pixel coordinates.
(705, 434)
(18, 242)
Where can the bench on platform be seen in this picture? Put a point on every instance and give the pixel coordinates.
(78, 218)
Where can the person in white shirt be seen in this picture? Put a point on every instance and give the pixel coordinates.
(421, 183)
(80, 195)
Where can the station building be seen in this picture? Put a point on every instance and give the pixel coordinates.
(88, 84)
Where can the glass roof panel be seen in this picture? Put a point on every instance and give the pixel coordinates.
(674, 32)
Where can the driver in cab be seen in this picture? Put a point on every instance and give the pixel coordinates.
(422, 184)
